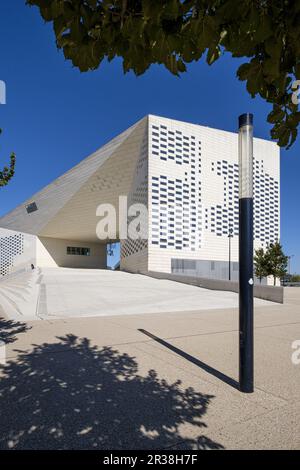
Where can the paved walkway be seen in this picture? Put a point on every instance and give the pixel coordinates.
(150, 381)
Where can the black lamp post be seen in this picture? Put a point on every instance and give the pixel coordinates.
(246, 372)
(230, 236)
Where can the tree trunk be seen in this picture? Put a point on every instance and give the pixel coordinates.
(274, 281)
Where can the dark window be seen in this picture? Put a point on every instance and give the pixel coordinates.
(73, 250)
(32, 207)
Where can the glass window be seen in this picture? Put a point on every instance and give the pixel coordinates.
(80, 251)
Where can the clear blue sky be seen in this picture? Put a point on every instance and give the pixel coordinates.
(56, 116)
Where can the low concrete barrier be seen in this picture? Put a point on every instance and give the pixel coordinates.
(272, 293)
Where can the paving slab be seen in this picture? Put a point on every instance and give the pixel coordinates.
(159, 381)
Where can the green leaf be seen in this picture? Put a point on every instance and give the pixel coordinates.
(276, 115)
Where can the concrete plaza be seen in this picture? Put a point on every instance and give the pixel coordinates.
(52, 293)
(153, 381)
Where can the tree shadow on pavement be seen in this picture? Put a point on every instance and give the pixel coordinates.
(10, 328)
(72, 395)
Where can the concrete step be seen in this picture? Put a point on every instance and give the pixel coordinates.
(10, 308)
(19, 295)
(18, 292)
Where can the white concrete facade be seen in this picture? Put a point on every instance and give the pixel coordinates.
(187, 177)
(193, 194)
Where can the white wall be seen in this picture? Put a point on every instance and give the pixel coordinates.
(52, 252)
(136, 262)
(215, 182)
(134, 253)
(17, 251)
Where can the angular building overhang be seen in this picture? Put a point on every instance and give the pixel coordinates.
(66, 208)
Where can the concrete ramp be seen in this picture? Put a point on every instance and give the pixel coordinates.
(64, 293)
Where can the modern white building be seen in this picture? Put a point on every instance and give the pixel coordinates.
(185, 174)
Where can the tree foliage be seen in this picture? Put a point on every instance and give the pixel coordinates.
(111, 247)
(260, 264)
(272, 262)
(177, 32)
(277, 261)
(8, 171)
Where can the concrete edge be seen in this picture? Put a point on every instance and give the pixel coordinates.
(272, 293)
